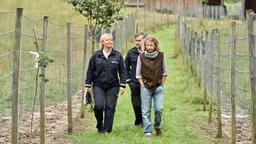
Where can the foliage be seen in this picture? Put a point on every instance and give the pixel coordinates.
(98, 13)
(42, 60)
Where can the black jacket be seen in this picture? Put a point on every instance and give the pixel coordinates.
(131, 63)
(103, 72)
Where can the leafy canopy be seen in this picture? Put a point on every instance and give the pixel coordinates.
(99, 13)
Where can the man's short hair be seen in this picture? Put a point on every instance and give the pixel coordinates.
(141, 33)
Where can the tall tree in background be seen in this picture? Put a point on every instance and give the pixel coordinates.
(98, 13)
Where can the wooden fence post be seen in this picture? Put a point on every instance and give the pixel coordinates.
(123, 35)
(189, 33)
(116, 35)
(252, 71)
(42, 84)
(126, 32)
(200, 59)
(242, 3)
(178, 28)
(216, 12)
(211, 76)
(144, 15)
(161, 12)
(69, 78)
(120, 35)
(184, 44)
(194, 53)
(154, 16)
(233, 80)
(169, 12)
(205, 70)
(137, 21)
(16, 76)
(219, 134)
(84, 68)
(191, 46)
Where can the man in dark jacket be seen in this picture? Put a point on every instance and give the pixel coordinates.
(131, 63)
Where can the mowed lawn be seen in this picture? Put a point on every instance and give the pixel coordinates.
(184, 122)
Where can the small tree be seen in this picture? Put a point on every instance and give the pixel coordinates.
(98, 13)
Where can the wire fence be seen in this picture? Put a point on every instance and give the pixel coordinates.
(68, 45)
(6, 62)
(192, 9)
(212, 12)
(154, 14)
(221, 61)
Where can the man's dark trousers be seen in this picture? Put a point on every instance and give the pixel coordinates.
(136, 101)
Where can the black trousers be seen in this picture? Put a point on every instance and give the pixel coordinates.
(105, 102)
(136, 102)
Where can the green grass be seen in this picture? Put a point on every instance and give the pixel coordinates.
(59, 12)
(181, 118)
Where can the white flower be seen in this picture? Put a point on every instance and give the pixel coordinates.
(36, 55)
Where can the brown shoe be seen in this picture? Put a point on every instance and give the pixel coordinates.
(158, 132)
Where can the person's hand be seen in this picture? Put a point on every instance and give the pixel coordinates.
(121, 90)
(87, 89)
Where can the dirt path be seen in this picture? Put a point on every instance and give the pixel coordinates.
(55, 126)
(242, 124)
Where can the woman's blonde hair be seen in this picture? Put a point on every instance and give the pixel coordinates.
(103, 37)
(154, 40)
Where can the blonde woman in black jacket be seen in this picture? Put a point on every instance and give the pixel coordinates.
(105, 66)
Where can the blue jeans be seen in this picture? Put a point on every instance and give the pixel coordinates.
(146, 104)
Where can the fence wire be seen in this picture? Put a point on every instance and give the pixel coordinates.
(213, 66)
(6, 63)
(56, 72)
